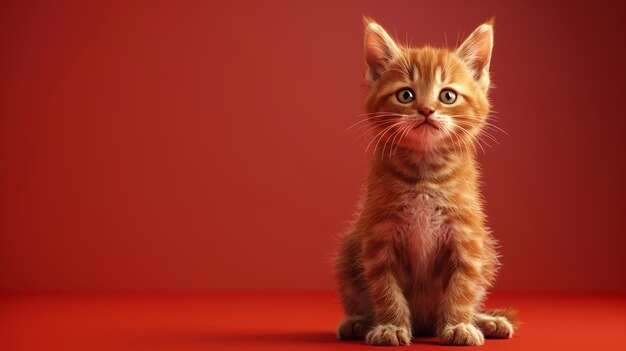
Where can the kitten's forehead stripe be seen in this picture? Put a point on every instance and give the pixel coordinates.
(415, 73)
(438, 75)
(429, 66)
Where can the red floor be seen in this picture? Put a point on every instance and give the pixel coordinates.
(275, 322)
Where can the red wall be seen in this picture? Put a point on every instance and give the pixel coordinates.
(201, 145)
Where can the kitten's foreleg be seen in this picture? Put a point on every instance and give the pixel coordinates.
(455, 325)
(392, 325)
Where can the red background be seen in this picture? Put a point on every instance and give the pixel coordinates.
(194, 146)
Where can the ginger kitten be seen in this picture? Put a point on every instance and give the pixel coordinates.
(418, 258)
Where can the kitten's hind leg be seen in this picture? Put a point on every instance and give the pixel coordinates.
(353, 328)
(493, 326)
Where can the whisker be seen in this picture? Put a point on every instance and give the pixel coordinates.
(383, 135)
(466, 132)
(376, 136)
(407, 130)
(369, 119)
(374, 127)
(394, 135)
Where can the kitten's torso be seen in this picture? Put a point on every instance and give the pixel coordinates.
(422, 242)
(425, 234)
(417, 212)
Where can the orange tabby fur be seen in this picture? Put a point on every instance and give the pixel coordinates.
(419, 258)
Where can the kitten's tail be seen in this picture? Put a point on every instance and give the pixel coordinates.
(508, 313)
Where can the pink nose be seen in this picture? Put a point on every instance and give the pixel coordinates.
(426, 111)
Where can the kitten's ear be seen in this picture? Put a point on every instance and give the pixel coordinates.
(476, 52)
(380, 49)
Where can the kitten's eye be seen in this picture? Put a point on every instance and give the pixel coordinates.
(447, 96)
(405, 96)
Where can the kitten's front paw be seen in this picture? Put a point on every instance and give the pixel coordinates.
(495, 327)
(352, 328)
(388, 335)
(463, 334)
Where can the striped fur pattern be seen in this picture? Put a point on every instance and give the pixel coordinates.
(418, 258)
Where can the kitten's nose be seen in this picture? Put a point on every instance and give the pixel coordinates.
(426, 111)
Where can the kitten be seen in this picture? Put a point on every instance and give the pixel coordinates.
(419, 258)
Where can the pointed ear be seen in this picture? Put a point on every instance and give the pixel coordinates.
(476, 52)
(380, 49)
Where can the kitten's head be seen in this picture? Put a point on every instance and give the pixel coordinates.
(427, 99)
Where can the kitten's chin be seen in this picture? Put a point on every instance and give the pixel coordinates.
(425, 137)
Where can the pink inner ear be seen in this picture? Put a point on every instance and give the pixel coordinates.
(379, 49)
(374, 53)
(476, 50)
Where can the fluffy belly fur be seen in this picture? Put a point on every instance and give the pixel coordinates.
(420, 237)
(424, 235)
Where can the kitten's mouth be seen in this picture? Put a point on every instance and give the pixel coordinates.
(427, 124)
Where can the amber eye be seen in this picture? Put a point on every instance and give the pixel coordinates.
(405, 96)
(447, 96)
